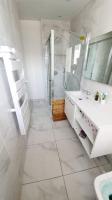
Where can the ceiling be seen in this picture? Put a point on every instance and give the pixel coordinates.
(50, 9)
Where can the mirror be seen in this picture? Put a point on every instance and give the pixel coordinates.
(98, 65)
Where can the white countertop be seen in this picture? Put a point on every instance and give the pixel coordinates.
(99, 114)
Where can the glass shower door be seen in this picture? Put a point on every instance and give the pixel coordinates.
(61, 42)
(73, 73)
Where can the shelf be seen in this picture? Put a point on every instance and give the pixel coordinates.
(85, 126)
(86, 129)
(85, 141)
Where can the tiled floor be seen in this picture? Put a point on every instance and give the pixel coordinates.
(56, 165)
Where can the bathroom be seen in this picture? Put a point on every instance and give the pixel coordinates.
(42, 158)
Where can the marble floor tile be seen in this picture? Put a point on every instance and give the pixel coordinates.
(101, 161)
(42, 178)
(73, 157)
(41, 110)
(36, 137)
(36, 119)
(64, 133)
(5, 162)
(36, 116)
(109, 157)
(105, 168)
(1, 143)
(42, 162)
(52, 189)
(42, 124)
(40, 113)
(80, 186)
(60, 124)
(39, 103)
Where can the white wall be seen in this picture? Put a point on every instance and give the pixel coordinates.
(31, 36)
(11, 143)
(10, 25)
(95, 18)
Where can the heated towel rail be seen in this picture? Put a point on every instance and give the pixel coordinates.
(15, 76)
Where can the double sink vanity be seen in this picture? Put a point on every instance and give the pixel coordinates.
(91, 121)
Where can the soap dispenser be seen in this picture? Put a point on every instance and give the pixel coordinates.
(103, 98)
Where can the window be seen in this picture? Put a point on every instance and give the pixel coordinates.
(77, 51)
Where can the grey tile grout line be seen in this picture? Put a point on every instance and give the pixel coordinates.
(41, 129)
(47, 179)
(46, 129)
(61, 170)
(29, 145)
(96, 167)
(38, 144)
(63, 175)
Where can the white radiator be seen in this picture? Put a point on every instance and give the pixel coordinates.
(15, 75)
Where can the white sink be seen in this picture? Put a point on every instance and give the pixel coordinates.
(75, 93)
(79, 95)
(103, 186)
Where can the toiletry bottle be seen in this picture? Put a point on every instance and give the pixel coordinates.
(103, 98)
(97, 96)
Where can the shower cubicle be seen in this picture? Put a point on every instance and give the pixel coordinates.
(64, 64)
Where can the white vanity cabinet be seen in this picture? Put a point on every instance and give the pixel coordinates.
(92, 126)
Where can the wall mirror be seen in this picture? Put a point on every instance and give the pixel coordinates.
(98, 65)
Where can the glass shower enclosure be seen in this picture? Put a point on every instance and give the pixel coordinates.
(64, 61)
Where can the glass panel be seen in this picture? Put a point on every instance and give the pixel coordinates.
(68, 59)
(73, 77)
(16, 75)
(60, 45)
(99, 59)
(49, 62)
(91, 60)
(77, 51)
(48, 67)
